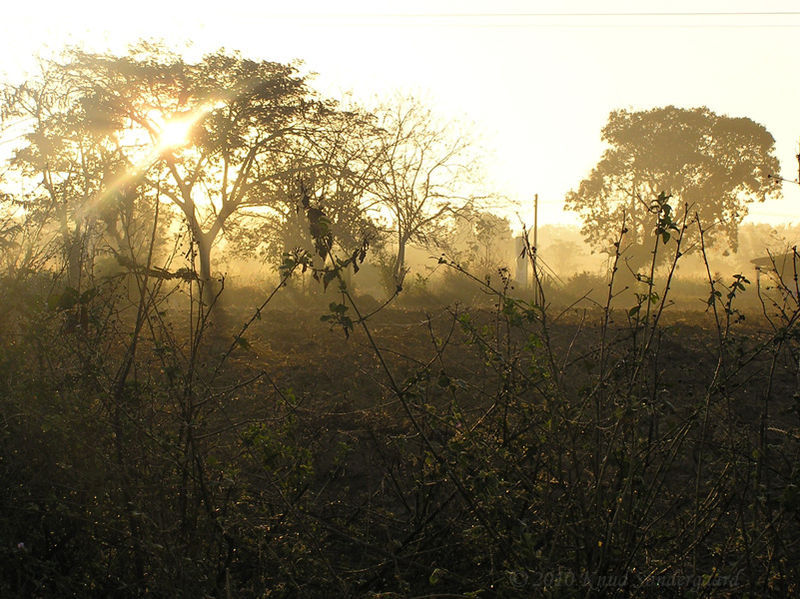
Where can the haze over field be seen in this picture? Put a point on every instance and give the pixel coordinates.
(269, 328)
(535, 80)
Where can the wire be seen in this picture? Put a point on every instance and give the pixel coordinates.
(528, 15)
(782, 13)
(547, 269)
(587, 20)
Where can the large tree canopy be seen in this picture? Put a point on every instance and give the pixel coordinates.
(220, 138)
(714, 164)
(234, 147)
(337, 167)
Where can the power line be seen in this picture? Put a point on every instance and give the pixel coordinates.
(502, 15)
(582, 20)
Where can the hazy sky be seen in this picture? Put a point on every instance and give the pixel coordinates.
(537, 78)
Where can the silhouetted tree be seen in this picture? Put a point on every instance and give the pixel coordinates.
(481, 242)
(219, 137)
(60, 172)
(715, 164)
(424, 172)
(335, 169)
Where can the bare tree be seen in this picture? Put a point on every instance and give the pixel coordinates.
(424, 174)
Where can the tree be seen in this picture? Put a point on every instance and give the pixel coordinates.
(423, 176)
(60, 172)
(219, 138)
(334, 169)
(714, 164)
(481, 242)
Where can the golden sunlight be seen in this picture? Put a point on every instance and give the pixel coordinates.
(167, 133)
(173, 131)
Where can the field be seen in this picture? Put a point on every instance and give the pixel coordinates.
(154, 445)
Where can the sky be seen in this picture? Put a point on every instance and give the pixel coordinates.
(533, 82)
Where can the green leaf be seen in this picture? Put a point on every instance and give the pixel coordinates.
(337, 308)
(436, 576)
(88, 295)
(64, 301)
(327, 277)
(634, 311)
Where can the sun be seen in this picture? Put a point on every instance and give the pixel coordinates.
(171, 132)
(165, 132)
(175, 132)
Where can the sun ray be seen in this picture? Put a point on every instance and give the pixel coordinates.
(174, 131)
(168, 134)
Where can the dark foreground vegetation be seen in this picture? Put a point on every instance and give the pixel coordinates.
(156, 445)
(165, 435)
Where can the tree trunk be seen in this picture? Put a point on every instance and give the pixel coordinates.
(208, 287)
(400, 262)
(73, 252)
(71, 241)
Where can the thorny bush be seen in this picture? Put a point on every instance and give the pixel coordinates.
(599, 450)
